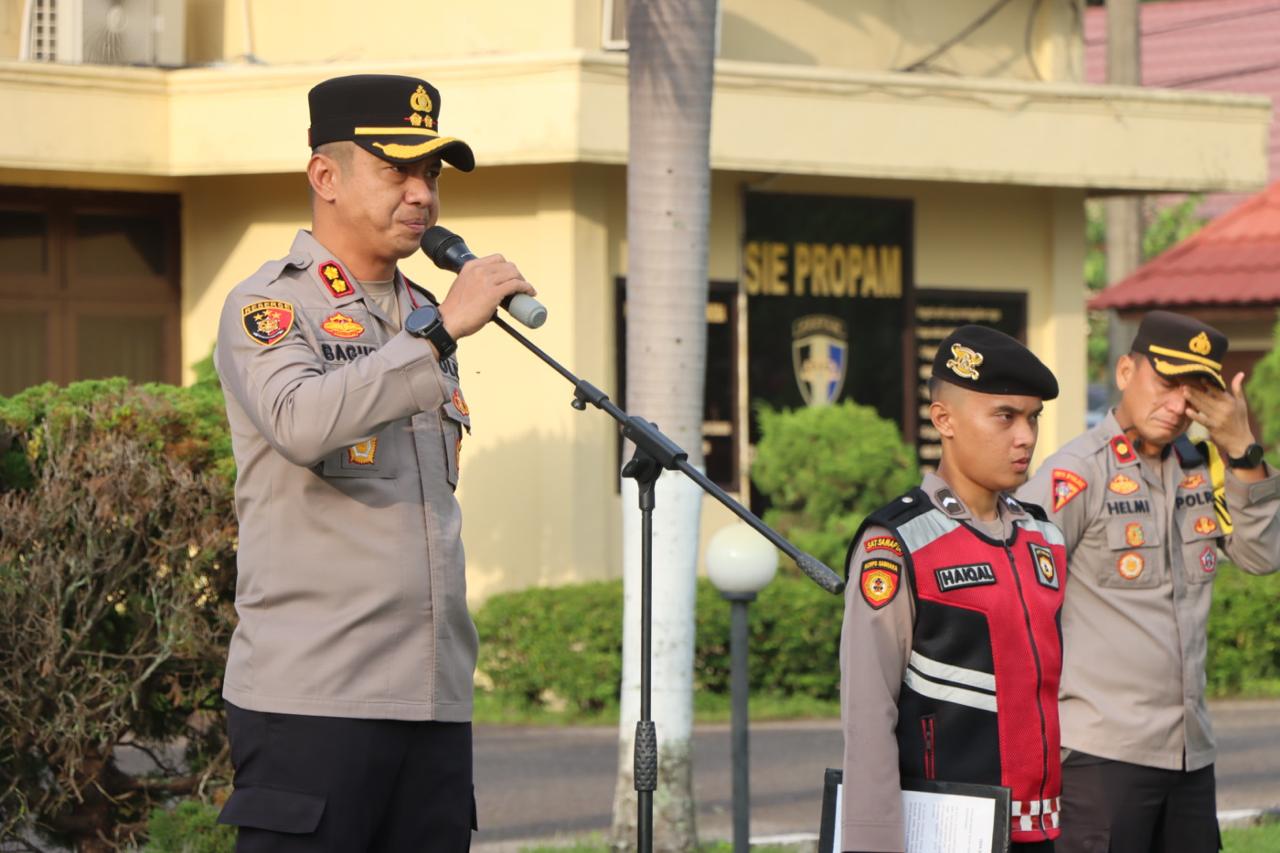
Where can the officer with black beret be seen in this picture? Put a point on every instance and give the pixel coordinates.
(1145, 513)
(349, 676)
(949, 653)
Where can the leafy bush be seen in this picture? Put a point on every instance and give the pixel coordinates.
(1244, 636)
(824, 469)
(116, 570)
(190, 827)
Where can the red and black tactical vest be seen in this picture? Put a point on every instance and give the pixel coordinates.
(979, 700)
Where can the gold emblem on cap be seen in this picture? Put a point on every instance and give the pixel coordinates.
(1200, 344)
(966, 362)
(420, 100)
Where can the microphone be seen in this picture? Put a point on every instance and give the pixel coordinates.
(447, 251)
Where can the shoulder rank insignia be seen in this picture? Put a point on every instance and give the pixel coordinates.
(332, 276)
(879, 582)
(1123, 485)
(1066, 485)
(267, 322)
(1046, 568)
(882, 543)
(1123, 450)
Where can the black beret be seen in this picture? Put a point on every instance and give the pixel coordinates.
(392, 117)
(990, 362)
(1181, 346)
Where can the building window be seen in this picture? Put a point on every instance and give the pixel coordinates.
(720, 391)
(90, 287)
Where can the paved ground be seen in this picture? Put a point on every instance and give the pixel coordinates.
(543, 783)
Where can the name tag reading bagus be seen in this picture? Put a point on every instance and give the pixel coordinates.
(959, 577)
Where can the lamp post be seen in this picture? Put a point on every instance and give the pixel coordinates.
(740, 563)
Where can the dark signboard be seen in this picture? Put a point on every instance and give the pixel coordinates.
(828, 281)
(937, 314)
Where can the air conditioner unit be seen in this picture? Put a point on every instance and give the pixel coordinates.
(107, 32)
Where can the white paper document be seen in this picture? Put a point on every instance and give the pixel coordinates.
(941, 823)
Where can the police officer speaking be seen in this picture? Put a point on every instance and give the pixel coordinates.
(349, 676)
(1144, 513)
(949, 653)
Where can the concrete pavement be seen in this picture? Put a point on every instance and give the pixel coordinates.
(542, 783)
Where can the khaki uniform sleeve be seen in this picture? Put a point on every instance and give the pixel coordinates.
(1254, 543)
(306, 409)
(875, 644)
(1073, 516)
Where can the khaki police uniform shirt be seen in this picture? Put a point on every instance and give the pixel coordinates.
(1142, 551)
(875, 646)
(346, 434)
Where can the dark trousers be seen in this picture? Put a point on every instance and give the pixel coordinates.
(1114, 807)
(1032, 847)
(335, 785)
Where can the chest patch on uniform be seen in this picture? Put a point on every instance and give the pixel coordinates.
(1208, 559)
(1066, 485)
(1133, 535)
(1123, 484)
(883, 543)
(1123, 450)
(267, 322)
(1194, 481)
(363, 453)
(1130, 565)
(879, 582)
(1046, 568)
(1205, 525)
(334, 279)
(959, 577)
(341, 326)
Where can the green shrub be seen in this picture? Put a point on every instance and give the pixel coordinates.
(117, 563)
(824, 469)
(1244, 636)
(189, 827)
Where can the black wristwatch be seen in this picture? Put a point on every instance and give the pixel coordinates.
(1252, 457)
(426, 323)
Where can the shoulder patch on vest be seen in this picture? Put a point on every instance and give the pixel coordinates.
(1066, 485)
(267, 322)
(883, 543)
(879, 583)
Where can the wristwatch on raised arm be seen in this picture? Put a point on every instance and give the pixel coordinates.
(1252, 457)
(426, 323)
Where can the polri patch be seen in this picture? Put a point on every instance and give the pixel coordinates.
(363, 453)
(1046, 566)
(1205, 525)
(267, 322)
(334, 279)
(882, 543)
(1123, 485)
(1123, 450)
(879, 582)
(1208, 559)
(460, 403)
(1134, 537)
(341, 326)
(1193, 481)
(1066, 485)
(959, 577)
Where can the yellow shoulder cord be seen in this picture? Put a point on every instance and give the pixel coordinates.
(1218, 476)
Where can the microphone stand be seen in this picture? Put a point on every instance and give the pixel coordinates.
(654, 452)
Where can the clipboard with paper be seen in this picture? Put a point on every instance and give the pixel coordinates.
(939, 817)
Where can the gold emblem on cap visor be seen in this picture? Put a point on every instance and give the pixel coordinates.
(1200, 344)
(966, 362)
(420, 100)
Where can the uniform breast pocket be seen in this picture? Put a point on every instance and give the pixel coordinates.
(1134, 559)
(1200, 529)
(455, 423)
(372, 457)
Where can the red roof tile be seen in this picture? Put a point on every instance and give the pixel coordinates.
(1234, 260)
(1211, 45)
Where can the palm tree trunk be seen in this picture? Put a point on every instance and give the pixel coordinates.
(668, 200)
